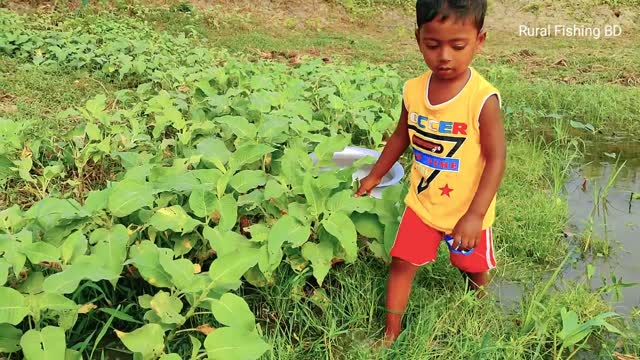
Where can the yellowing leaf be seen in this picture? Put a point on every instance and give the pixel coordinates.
(167, 307)
(86, 308)
(206, 329)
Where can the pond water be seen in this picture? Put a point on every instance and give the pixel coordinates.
(619, 225)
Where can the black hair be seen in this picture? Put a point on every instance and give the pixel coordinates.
(428, 10)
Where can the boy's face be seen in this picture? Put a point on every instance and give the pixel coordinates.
(448, 46)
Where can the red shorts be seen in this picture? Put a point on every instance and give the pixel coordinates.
(417, 243)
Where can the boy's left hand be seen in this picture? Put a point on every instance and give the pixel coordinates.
(467, 231)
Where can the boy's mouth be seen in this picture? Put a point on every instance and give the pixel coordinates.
(445, 70)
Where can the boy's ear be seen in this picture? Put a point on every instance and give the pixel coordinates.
(482, 36)
(417, 33)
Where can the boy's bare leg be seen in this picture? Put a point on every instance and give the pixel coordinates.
(401, 274)
(476, 281)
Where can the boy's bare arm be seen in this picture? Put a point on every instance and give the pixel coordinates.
(494, 150)
(493, 145)
(396, 145)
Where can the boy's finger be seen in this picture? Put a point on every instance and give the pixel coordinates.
(457, 241)
(462, 245)
(467, 244)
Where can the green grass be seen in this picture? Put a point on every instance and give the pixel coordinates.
(41, 93)
(442, 320)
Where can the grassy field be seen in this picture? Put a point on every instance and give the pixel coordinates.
(546, 84)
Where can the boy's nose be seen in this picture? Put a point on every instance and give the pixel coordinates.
(445, 55)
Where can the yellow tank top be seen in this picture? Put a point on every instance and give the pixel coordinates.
(447, 162)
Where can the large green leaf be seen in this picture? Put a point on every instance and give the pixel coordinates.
(300, 212)
(97, 200)
(167, 307)
(247, 154)
(147, 340)
(40, 251)
(325, 149)
(4, 271)
(73, 247)
(261, 101)
(226, 272)
(327, 181)
(228, 209)
(224, 243)
(320, 255)
(239, 126)
(208, 178)
(33, 284)
(111, 247)
(315, 198)
(368, 225)
(39, 303)
(274, 189)
(274, 130)
(287, 229)
(247, 180)
(181, 271)
(86, 267)
(9, 338)
(344, 201)
(174, 218)
(202, 202)
(13, 307)
(232, 343)
(232, 310)
(213, 151)
(146, 257)
(175, 178)
(11, 219)
(48, 344)
(259, 232)
(10, 246)
(342, 228)
(51, 212)
(573, 331)
(128, 196)
(294, 166)
(251, 200)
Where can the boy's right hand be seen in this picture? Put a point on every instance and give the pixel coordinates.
(367, 184)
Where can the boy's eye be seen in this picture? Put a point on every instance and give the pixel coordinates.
(459, 46)
(431, 45)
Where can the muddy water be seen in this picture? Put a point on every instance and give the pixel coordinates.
(619, 225)
(621, 228)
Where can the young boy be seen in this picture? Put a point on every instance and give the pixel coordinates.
(451, 119)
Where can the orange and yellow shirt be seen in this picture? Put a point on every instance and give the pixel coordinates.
(448, 162)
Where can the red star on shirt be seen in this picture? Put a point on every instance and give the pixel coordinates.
(446, 190)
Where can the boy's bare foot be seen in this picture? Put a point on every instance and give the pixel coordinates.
(386, 342)
(389, 339)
